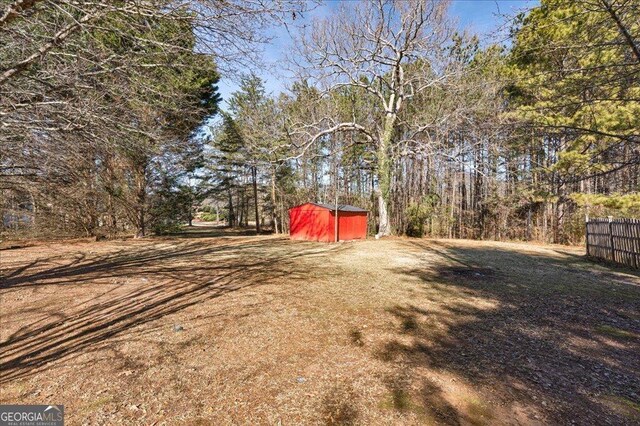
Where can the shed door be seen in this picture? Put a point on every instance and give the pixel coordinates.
(352, 226)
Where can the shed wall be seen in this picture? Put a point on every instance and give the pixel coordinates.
(310, 222)
(314, 223)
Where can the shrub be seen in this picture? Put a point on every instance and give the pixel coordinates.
(208, 217)
(417, 215)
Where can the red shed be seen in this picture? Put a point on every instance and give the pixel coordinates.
(316, 222)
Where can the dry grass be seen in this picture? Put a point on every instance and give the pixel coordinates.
(218, 328)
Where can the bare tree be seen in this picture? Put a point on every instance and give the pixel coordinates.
(80, 91)
(393, 50)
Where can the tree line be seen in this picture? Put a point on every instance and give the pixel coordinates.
(393, 108)
(102, 105)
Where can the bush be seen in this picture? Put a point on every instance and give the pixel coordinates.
(208, 217)
(418, 213)
(164, 228)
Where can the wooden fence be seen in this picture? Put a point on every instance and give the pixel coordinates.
(615, 240)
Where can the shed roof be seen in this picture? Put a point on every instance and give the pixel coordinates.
(341, 207)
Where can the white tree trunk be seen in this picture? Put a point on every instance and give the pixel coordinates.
(384, 228)
(384, 176)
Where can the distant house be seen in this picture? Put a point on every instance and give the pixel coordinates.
(317, 222)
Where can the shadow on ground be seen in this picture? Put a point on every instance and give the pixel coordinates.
(142, 284)
(557, 333)
(213, 231)
(544, 330)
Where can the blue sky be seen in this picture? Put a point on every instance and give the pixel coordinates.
(483, 17)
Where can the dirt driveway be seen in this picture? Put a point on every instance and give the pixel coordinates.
(226, 329)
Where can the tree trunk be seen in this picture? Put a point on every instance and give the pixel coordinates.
(141, 199)
(113, 225)
(384, 176)
(231, 216)
(254, 176)
(241, 206)
(34, 209)
(383, 216)
(274, 217)
(245, 207)
(624, 31)
(140, 225)
(191, 201)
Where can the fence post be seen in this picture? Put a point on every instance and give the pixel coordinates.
(613, 250)
(586, 226)
(634, 254)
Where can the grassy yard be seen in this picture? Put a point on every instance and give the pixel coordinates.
(216, 328)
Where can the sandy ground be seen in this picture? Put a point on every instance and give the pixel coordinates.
(219, 328)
